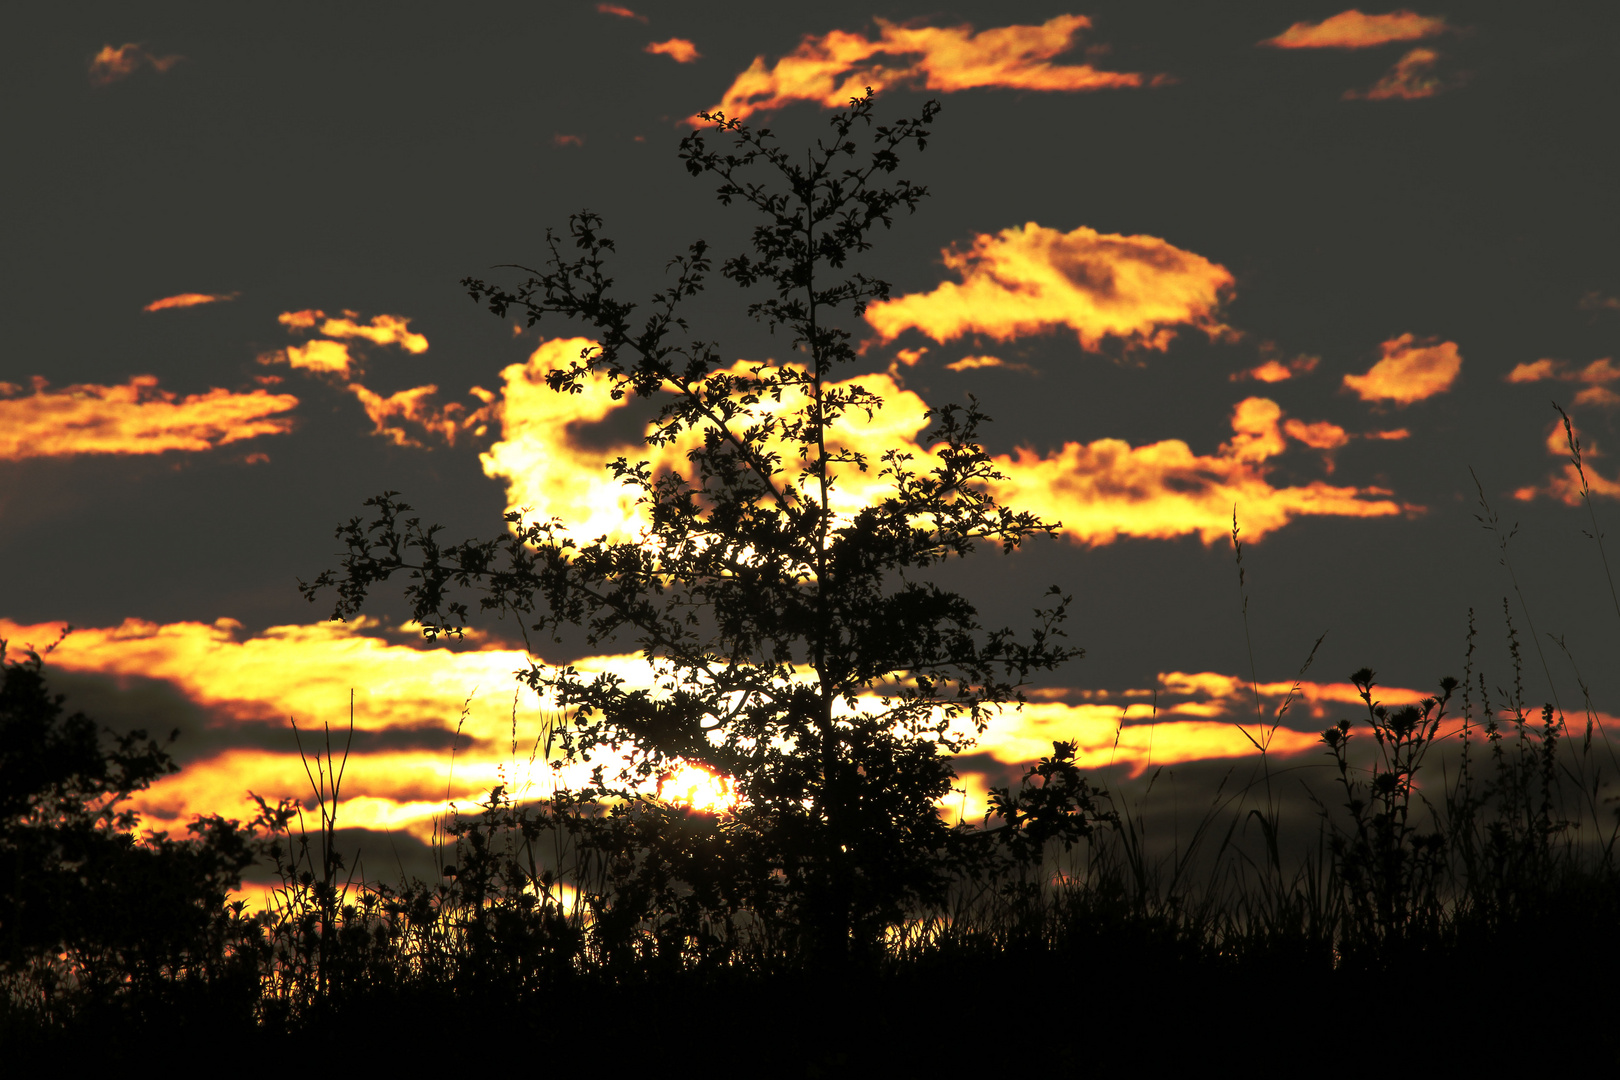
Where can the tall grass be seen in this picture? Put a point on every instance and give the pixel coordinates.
(1467, 831)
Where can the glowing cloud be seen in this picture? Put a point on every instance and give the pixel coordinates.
(1032, 279)
(1412, 369)
(189, 299)
(1353, 30)
(567, 140)
(839, 65)
(677, 49)
(381, 330)
(1412, 77)
(411, 704)
(137, 418)
(112, 64)
(1100, 491)
(1108, 489)
(1596, 301)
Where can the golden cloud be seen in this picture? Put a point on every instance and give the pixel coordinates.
(837, 66)
(1412, 369)
(137, 418)
(1353, 30)
(1596, 301)
(1100, 491)
(112, 64)
(404, 693)
(1412, 77)
(1029, 280)
(677, 49)
(189, 299)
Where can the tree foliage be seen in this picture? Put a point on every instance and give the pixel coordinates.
(795, 641)
(89, 911)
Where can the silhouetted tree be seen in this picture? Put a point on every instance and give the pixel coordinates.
(795, 647)
(88, 910)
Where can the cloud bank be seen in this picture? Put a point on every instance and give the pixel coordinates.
(136, 418)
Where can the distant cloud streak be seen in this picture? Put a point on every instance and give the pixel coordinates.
(620, 12)
(1030, 280)
(1411, 370)
(1354, 30)
(113, 64)
(1413, 77)
(189, 299)
(832, 68)
(136, 418)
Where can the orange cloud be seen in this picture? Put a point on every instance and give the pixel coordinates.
(189, 299)
(1274, 370)
(1412, 77)
(976, 363)
(567, 140)
(390, 414)
(393, 415)
(677, 49)
(1596, 375)
(1596, 301)
(552, 466)
(1107, 489)
(320, 356)
(1032, 279)
(1533, 372)
(621, 12)
(1353, 30)
(833, 68)
(1412, 369)
(137, 418)
(1318, 436)
(110, 64)
(1565, 484)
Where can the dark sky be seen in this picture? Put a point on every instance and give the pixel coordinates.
(365, 157)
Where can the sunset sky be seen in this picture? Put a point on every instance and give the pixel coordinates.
(1310, 262)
